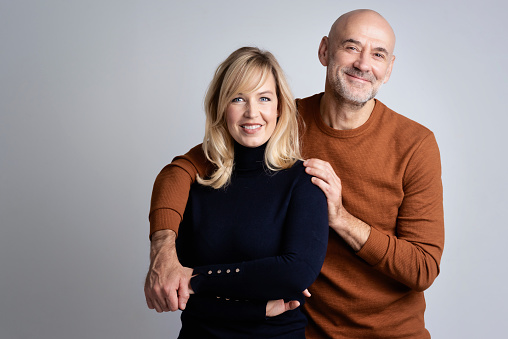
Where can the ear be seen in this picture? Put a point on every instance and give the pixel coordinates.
(323, 51)
(389, 70)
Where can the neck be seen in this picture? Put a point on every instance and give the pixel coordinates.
(249, 158)
(342, 115)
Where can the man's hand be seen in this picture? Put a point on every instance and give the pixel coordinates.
(354, 231)
(167, 282)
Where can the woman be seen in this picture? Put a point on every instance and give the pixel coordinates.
(256, 229)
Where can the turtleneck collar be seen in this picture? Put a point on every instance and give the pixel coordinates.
(249, 158)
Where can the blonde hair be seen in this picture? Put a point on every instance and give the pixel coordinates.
(235, 75)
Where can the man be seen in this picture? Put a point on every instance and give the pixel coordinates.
(381, 175)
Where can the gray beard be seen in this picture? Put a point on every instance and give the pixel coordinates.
(344, 91)
(358, 99)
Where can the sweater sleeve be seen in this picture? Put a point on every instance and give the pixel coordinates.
(171, 189)
(286, 275)
(413, 255)
(226, 309)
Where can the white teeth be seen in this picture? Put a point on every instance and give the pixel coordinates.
(251, 126)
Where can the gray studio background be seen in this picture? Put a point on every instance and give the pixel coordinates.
(97, 96)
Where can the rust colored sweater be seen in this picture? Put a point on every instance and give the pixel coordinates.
(391, 176)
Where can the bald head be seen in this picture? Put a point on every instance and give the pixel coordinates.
(366, 22)
(358, 54)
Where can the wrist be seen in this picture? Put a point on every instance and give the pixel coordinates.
(163, 238)
(163, 235)
(353, 230)
(339, 222)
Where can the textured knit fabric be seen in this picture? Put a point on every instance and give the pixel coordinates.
(262, 237)
(391, 176)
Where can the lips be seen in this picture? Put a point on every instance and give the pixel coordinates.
(367, 77)
(361, 79)
(358, 78)
(251, 128)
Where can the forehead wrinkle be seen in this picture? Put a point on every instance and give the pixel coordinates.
(352, 41)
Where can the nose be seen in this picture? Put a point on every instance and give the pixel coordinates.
(362, 63)
(251, 110)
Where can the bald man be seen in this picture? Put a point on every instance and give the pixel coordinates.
(381, 175)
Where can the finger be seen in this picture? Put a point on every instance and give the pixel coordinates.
(183, 295)
(320, 169)
(306, 293)
(324, 186)
(325, 174)
(320, 165)
(275, 307)
(159, 295)
(149, 303)
(172, 300)
(168, 304)
(148, 298)
(157, 306)
(317, 163)
(291, 305)
(164, 301)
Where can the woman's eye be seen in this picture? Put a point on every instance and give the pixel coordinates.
(265, 99)
(237, 100)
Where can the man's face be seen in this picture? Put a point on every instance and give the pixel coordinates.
(359, 58)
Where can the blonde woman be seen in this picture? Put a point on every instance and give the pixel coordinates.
(255, 230)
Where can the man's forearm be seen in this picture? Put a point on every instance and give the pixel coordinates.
(354, 231)
(160, 239)
(167, 281)
(171, 189)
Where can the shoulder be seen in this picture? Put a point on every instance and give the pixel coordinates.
(404, 132)
(400, 124)
(296, 170)
(307, 106)
(302, 182)
(293, 174)
(413, 142)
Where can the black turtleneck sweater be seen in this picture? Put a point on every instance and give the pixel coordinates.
(262, 237)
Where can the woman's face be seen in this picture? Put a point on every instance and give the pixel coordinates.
(251, 117)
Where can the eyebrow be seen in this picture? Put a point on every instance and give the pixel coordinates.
(379, 49)
(261, 93)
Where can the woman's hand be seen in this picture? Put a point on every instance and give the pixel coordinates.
(277, 307)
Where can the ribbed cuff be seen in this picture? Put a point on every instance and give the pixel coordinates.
(163, 219)
(375, 248)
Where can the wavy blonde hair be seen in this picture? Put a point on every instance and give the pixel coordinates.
(236, 75)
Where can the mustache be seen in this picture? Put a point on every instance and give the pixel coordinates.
(356, 73)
